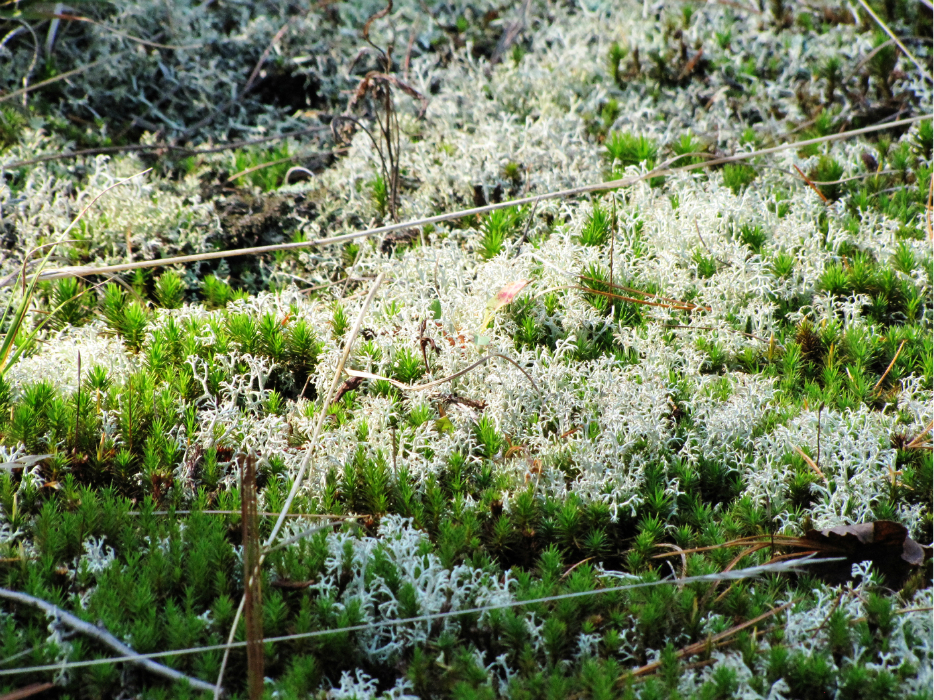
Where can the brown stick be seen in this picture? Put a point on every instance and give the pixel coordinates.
(810, 462)
(422, 387)
(28, 691)
(161, 147)
(63, 76)
(699, 647)
(632, 300)
(633, 290)
(891, 364)
(217, 688)
(812, 186)
(921, 437)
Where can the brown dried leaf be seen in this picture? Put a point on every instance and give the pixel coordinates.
(883, 542)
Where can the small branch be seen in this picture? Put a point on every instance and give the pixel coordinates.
(28, 691)
(631, 300)
(104, 637)
(812, 186)
(810, 462)
(633, 290)
(182, 151)
(921, 438)
(429, 385)
(891, 364)
(63, 76)
(702, 241)
(699, 647)
(306, 461)
(263, 514)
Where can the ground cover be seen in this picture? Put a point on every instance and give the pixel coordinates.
(584, 420)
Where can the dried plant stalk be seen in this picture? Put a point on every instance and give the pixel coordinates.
(253, 594)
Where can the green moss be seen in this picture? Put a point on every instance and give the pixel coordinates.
(738, 176)
(496, 229)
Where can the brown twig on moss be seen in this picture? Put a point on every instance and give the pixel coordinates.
(921, 438)
(891, 364)
(813, 186)
(699, 647)
(429, 385)
(306, 461)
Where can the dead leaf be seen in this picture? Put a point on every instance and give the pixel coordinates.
(883, 542)
(351, 384)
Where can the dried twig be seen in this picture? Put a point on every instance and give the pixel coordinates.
(103, 636)
(429, 385)
(699, 647)
(812, 186)
(180, 150)
(751, 572)
(633, 290)
(810, 462)
(632, 300)
(252, 588)
(262, 514)
(63, 76)
(112, 30)
(891, 364)
(510, 35)
(921, 438)
(28, 691)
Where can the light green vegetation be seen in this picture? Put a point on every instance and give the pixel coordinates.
(741, 351)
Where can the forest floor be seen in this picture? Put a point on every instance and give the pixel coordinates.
(587, 351)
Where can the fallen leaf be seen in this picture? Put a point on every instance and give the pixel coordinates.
(351, 384)
(883, 542)
(503, 296)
